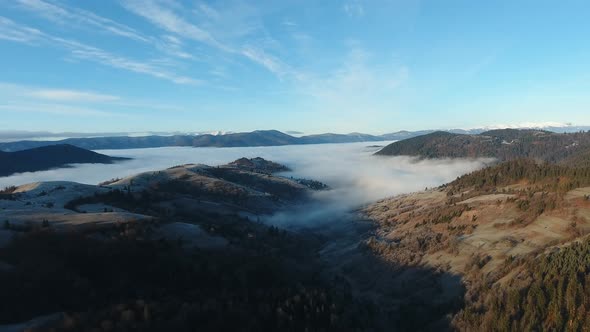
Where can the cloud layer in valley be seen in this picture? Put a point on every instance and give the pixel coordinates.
(354, 174)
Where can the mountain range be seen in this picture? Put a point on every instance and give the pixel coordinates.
(245, 139)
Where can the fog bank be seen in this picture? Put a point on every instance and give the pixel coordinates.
(354, 174)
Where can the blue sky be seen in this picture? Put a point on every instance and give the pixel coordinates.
(311, 66)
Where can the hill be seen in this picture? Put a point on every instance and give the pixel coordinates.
(243, 186)
(172, 249)
(505, 144)
(47, 157)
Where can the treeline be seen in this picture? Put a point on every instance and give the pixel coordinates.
(552, 293)
(545, 176)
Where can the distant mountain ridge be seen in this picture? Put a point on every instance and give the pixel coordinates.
(48, 157)
(255, 138)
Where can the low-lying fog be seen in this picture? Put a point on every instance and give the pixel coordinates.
(354, 174)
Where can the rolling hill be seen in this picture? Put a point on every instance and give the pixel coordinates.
(48, 157)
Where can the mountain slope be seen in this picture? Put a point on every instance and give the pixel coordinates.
(506, 230)
(48, 157)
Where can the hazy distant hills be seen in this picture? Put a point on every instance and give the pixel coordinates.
(339, 138)
(48, 157)
(504, 144)
(255, 138)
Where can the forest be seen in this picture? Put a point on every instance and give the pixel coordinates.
(550, 293)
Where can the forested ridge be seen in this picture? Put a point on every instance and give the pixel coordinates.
(517, 230)
(552, 177)
(504, 145)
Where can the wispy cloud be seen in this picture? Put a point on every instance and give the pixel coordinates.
(355, 78)
(56, 109)
(270, 62)
(357, 91)
(166, 19)
(13, 31)
(236, 31)
(61, 100)
(71, 95)
(354, 8)
(90, 53)
(22, 98)
(289, 23)
(208, 11)
(68, 16)
(11, 90)
(173, 46)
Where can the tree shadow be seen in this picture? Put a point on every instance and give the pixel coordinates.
(404, 298)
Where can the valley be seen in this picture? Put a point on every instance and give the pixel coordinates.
(226, 211)
(432, 256)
